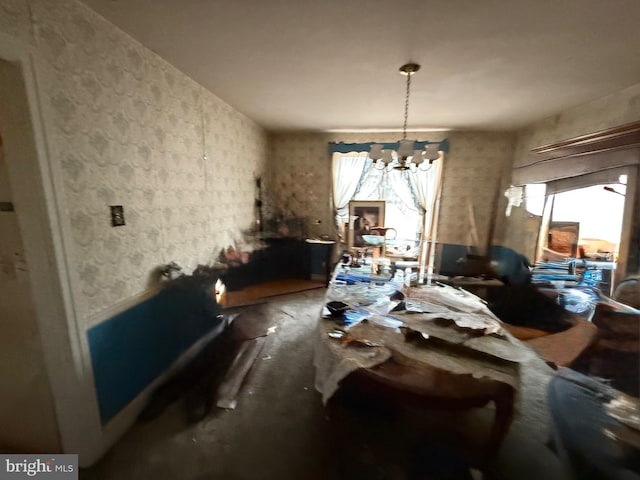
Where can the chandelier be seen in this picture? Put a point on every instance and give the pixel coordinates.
(410, 155)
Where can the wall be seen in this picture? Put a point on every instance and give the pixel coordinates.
(127, 128)
(26, 405)
(606, 112)
(519, 231)
(610, 111)
(116, 124)
(301, 177)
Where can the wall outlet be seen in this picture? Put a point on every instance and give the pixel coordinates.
(117, 215)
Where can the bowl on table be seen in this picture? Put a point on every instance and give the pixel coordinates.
(375, 240)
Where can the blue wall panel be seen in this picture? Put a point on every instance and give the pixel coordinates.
(131, 349)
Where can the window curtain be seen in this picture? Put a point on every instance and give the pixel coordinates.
(401, 183)
(392, 186)
(347, 170)
(370, 186)
(402, 211)
(426, 188)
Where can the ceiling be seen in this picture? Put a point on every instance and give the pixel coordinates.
(333, 64)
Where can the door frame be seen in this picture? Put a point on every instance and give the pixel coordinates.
(42, 226)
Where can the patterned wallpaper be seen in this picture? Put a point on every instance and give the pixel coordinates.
(15, 20)
(476, 175)
(301, 177)
(126, 128)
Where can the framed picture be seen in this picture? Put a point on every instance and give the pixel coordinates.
(363, 215)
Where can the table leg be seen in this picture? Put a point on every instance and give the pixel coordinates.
(504, 415)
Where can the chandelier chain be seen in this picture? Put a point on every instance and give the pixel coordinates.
(406, 107)
(409, 155)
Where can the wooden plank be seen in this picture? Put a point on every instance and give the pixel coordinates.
(256, 294)
(610, 148)
(622, 135)
(233, 380)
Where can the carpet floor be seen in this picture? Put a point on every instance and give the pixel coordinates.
(279, 428)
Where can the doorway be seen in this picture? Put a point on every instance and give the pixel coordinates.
(27, 412)
(26, 404)
(585, 225)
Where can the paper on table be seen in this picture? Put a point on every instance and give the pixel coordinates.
(626, 410)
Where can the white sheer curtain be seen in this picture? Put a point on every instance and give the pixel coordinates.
(401, 183)
(402, 211)
(347, 169)
(426, 187)
(370, 186)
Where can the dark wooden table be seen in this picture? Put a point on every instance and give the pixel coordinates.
(429, 362)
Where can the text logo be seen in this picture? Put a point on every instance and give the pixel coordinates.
(50, 467)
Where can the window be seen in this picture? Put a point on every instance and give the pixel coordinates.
(410, 198)
(534, 198)
(402, 211)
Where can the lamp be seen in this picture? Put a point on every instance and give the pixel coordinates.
(408, 155)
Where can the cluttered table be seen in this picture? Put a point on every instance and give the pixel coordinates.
(436, 346)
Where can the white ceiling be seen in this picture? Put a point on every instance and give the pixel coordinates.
(333, 64)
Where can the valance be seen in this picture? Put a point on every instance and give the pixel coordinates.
(341, 147)
(602, 177)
